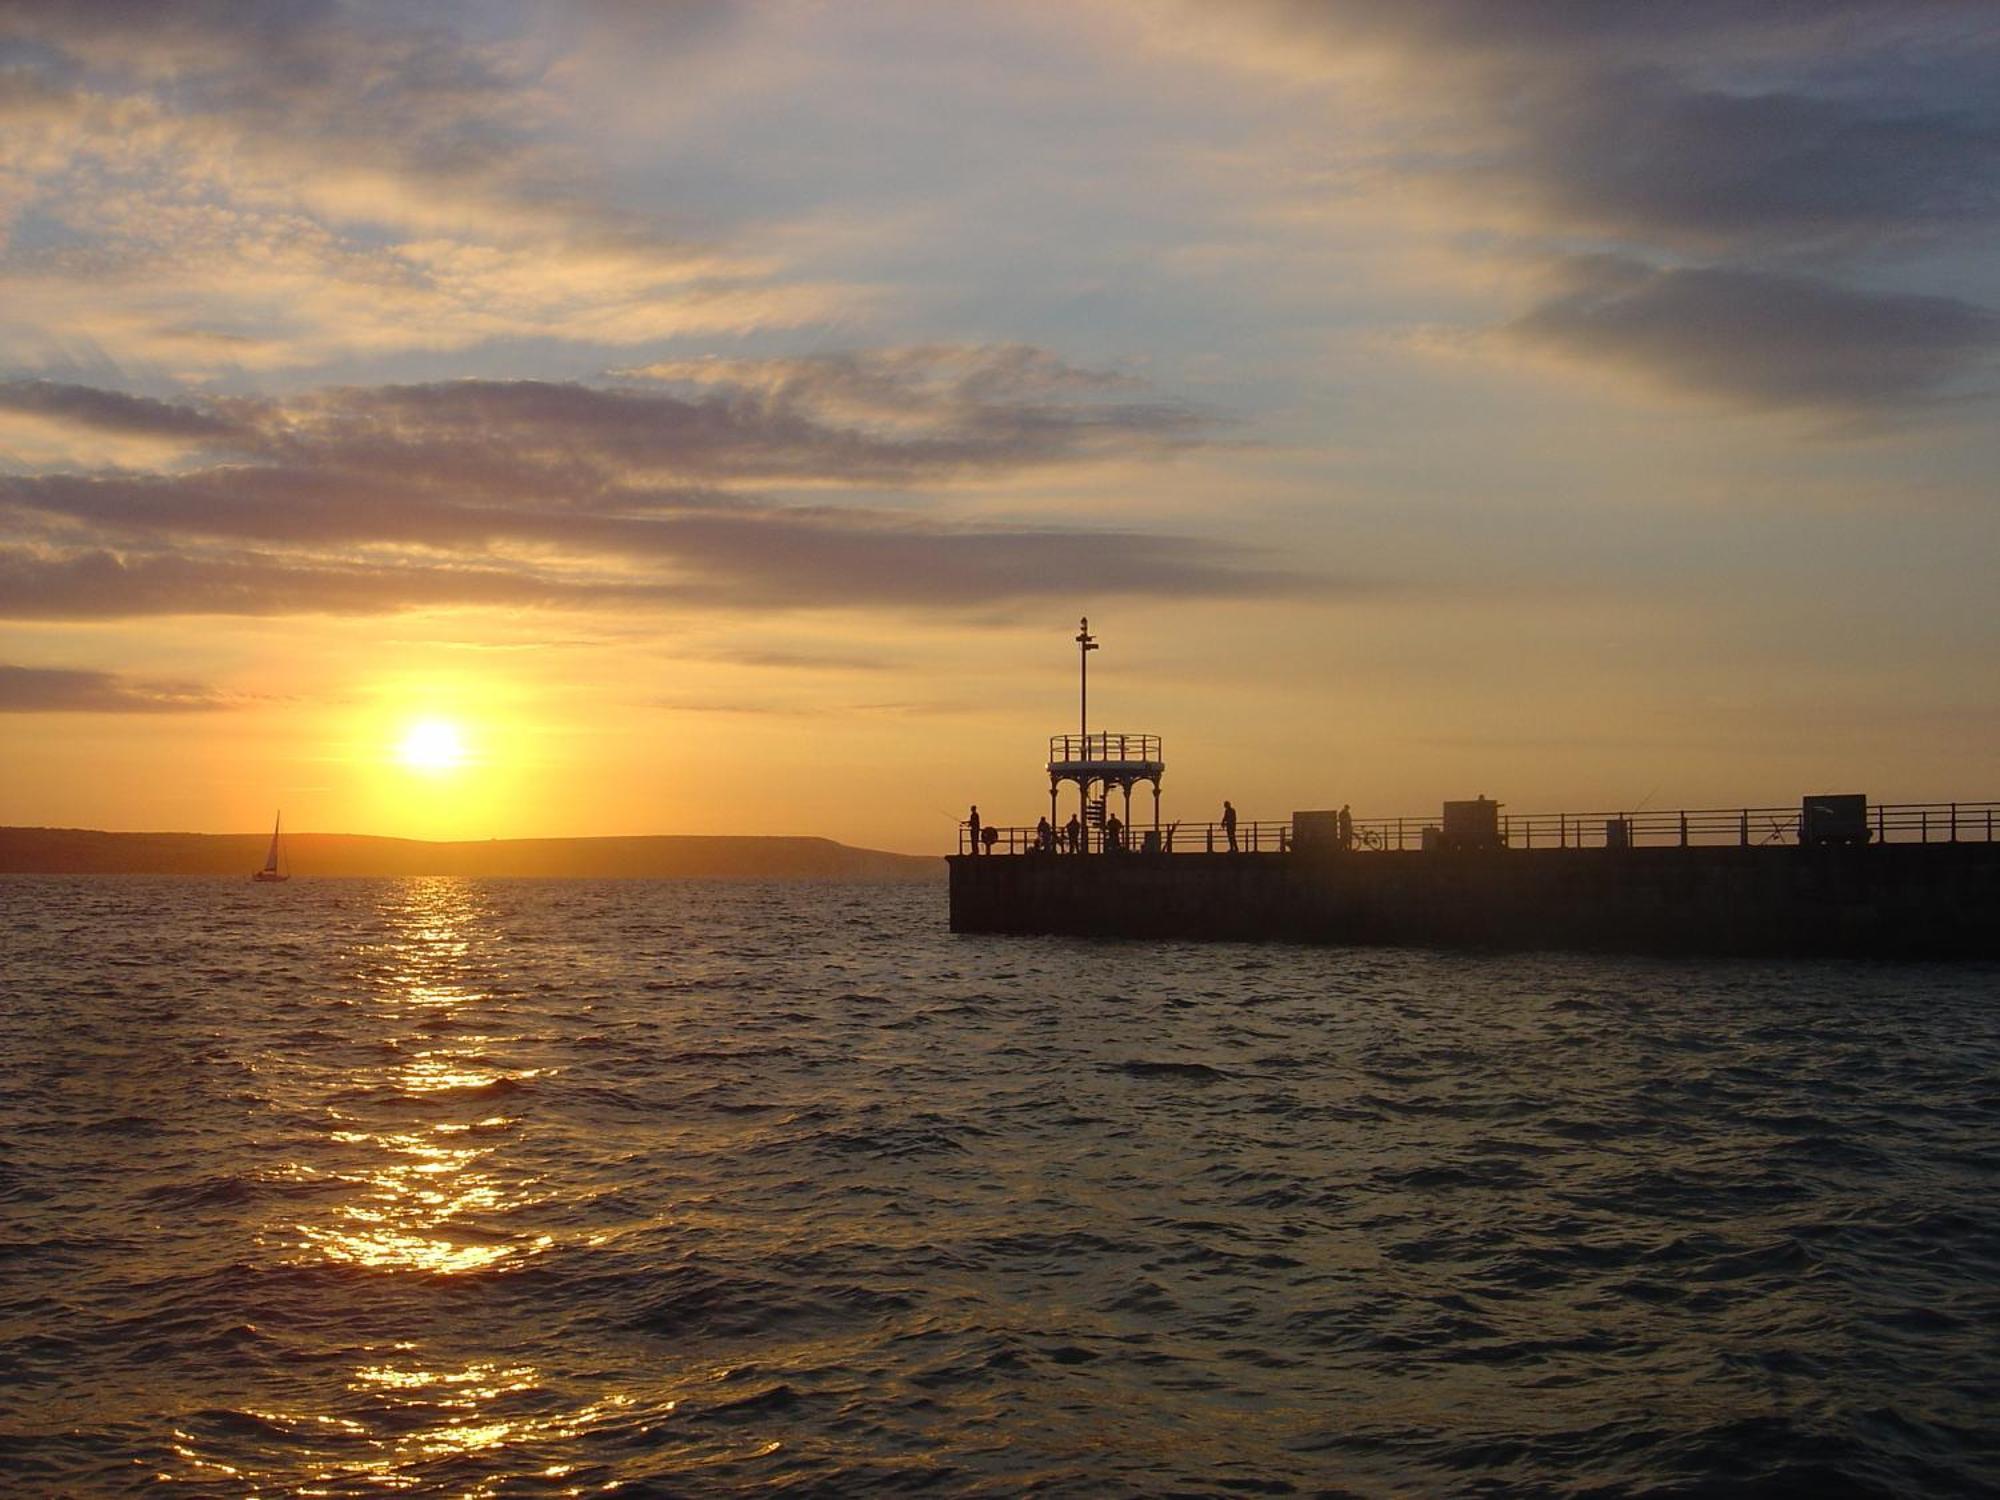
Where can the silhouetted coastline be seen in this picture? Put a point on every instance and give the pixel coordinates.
(81, 851)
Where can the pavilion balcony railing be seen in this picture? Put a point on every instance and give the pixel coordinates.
(1140, 838)
(1710, 827)
(1097, 749)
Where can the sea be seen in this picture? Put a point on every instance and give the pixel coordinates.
(457, 1188)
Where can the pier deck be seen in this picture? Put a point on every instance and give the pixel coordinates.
(1916, 891)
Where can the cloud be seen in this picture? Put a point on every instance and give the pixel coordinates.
(779, 564)
(226, 187)
(1644, 154)
(538, 493)
(1799, 173)
(36, 584)
(1764, 339)
(42, 690)
(315, 463)
(801, 661)
(109, 411)
(1707, 125)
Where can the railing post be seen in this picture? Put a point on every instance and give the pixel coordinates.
(1399, 833)
(1954, 822)
(1881, 826)
(1743, 828)
(1684, 830)
(1924, 826)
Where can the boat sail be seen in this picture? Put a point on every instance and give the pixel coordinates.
(271, 870)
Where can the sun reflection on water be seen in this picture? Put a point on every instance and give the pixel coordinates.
(425, 1196)
(429, 1184)
(458, 1405)
(425, 1417)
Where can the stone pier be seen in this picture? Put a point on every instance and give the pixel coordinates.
(1891, 900)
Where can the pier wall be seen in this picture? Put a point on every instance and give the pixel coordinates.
(1889, 900)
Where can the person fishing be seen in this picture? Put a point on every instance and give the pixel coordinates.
(1229, 823)
(972, 826)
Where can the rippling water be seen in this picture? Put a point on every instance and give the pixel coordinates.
(520, 1188)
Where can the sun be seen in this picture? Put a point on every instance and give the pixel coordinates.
(432, 745)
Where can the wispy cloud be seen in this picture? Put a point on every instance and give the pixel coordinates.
(801, 661)
(110, 411)
(211, 187)
(41, 690)
(535, 492)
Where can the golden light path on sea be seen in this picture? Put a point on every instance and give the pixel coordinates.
(422, 1202)
(411, 1206)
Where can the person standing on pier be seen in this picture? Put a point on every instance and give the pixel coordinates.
(1229, 823)
(1114, 835)
(972, 824)
(1073, 832)
(1045, 836)
(1346, 827)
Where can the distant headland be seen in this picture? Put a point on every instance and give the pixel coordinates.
(82, 851)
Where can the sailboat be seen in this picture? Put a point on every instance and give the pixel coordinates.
(271, 870)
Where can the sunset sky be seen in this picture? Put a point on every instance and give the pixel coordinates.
(500, 419)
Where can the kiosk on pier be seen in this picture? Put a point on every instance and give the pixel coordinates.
(1099, 764)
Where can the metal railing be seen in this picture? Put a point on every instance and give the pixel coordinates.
(1168, 838)
(1887, 823)
(1708, 827)
(1073, 749)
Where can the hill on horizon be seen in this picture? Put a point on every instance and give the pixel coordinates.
(84, 851)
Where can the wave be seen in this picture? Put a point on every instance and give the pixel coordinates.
(769, 1192)
(1191, 1072)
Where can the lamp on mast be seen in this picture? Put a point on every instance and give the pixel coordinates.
(1085, 644)
(1091, 761)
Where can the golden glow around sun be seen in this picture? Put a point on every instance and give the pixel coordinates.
(432, 745)
(442, 755)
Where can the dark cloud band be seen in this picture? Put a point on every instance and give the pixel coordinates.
(533, 493)
(1765, 339)
(30, 690)
(1769, 163)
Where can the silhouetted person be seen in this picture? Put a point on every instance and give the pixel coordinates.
(972, 823)
(1114, 834)
(1074, 829)
(1229, 824)
(1346, 827)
